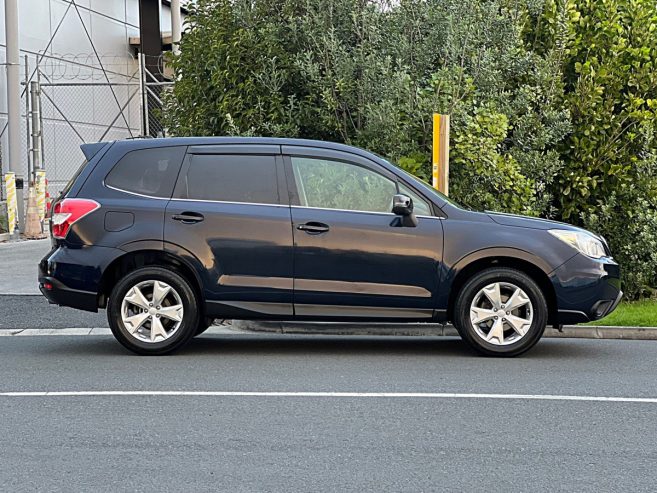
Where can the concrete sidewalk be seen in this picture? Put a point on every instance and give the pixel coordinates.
(18, 265)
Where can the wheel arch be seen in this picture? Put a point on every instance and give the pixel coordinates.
(136, 259)
(466, 268)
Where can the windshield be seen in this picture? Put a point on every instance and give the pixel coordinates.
(427, 189)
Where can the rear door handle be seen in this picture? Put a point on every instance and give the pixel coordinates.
(188, 217)
(313, 228)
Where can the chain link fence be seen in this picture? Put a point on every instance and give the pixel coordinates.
(84, 103)
(82, 99)
(155, 82)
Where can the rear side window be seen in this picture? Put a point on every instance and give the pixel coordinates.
(232, 178)
(70, 183)
(150, 172)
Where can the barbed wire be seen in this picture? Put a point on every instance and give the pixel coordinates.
(85, 66)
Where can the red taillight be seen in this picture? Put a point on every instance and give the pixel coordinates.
(68, 212)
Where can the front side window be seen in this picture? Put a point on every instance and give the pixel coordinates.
(420, 206)
(151, 172)
(330, 184)
(232, 178)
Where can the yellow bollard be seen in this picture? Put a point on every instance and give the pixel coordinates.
(440, 155)
(40, 185)
(32, 223)
(12, 204)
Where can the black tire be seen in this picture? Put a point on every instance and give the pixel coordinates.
(204, 324)
(489, 276)
(188, 325)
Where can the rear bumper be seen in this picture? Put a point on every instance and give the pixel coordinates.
(586, 289)
(58, 293)
(72, 276)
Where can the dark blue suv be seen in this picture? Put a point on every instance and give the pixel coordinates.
(169, 234)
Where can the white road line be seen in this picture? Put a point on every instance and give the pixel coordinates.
(405, 395)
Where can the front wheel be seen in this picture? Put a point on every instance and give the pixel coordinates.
(153, 311)
(501, 312)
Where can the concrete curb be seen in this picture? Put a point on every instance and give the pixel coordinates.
(433, 330)
(96, 331)
(319, 328)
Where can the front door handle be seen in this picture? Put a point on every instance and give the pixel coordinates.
(313, 228)
(188, 217)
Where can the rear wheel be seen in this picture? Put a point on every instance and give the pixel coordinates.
(501, 312)
(153, 311)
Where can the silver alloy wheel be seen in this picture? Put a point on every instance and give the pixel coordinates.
(152, 311)
(501, 313)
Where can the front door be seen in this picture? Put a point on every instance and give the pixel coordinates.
(227, 218)
(352, 258)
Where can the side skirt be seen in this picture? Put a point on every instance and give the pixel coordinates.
(258, 310)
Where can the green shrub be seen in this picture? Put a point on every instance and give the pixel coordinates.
(631, 231)
(553, 103)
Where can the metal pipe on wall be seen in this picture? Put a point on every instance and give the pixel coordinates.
(36, 126)
(28, 111)
(38, 74)
(176, 26)
(14, 101)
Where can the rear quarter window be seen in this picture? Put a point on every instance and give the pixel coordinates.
(151, 172)
(70, 183)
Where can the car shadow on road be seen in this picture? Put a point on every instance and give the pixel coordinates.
(369, 345)
(324, 345)
(305, 345)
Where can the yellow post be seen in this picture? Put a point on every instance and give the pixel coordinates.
(32, 224)
(40, 185)
(440, 158)
(12, 204)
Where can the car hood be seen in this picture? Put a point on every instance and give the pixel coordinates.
(529, 222)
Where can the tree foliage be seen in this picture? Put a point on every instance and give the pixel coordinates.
(552, 102)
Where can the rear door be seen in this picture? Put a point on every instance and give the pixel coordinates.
(352, 258)
(230, 218)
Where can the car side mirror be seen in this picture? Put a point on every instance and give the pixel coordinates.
(402, 205)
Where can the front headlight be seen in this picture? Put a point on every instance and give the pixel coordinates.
(584, 242)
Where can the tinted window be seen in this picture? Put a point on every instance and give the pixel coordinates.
(420, 206)
(338, 185)
(147, 171)
(232, 178)
(70, 183)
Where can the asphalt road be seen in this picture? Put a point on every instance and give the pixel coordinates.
(325, 443)
(34, 312)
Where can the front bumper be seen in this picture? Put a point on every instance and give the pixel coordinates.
(586, 289)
